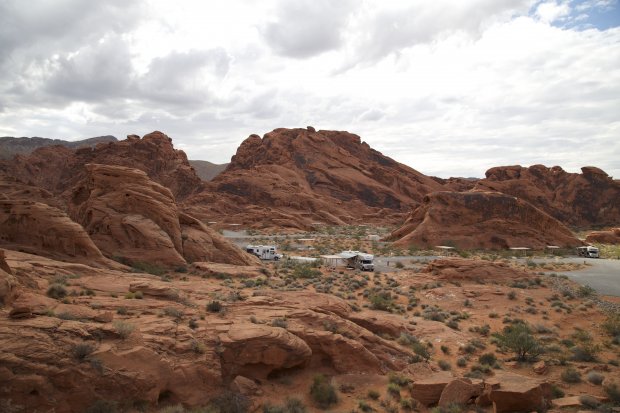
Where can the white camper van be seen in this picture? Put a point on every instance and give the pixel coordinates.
(264, 252)
(588, 252)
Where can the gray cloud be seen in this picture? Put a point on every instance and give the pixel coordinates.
(306, 28)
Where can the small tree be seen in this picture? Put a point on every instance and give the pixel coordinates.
(518, 339)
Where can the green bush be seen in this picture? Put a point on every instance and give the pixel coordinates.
(123, 328)
(570, 375)
(585, 352)
(595, 378)
(382, 302)
(214, 306)
(488, 358)
(421, 350)
(612, 390)
(612, 325)
(82, 350)
(518, 339)
(373, 394)
(57, 291)
(323, 393)
(444, 365)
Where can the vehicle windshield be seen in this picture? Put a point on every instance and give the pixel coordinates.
(366, 262)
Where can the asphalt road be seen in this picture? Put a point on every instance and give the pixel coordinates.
(602, 275)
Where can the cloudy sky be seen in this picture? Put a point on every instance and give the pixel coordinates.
(449, 87)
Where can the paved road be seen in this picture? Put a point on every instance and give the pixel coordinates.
(602, 275)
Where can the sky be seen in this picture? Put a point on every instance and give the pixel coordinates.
(448, 87)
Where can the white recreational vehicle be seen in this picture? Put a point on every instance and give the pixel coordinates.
(264, 252)
(358, 260)
(588, 252)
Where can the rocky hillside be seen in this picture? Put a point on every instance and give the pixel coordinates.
(57, 168)
(296, 177)
(10, 146)
(587, 200)
(65, 205)
(207, 170)
(481, 220)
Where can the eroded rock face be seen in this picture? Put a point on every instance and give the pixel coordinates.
(44, 230)
(517, 393)
(481, 220)
(591, 198)
(294, 177)
(57, 168)
(611, 236)
(129, 216)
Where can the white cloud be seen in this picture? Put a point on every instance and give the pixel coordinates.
(448, 87)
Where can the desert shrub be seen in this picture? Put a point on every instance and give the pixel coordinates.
(556, 392)
(294, 405)
(398, 380)
(512, 295)
(279, 322)
(461, 362)
(214, 306)
(585, 351)
(139, 295)
(453, 324)
(407, 339)
(393, 390)
(373, 394)
(121, 310)
(82, 350)
(589, 401)
(399, 265)
(570, 375)
(123, 328)
(305, 271)
(148, 268)
(488, 358)
(421, 350)
(364, 406)
(408, 404)
(57, 291)
(323, 393)
(612, 390)
(230, 402)
(173, 312)
(382, 301)
(173, 409)
(612, 325)
(103, 406)
(595, 378)
(445, 349)
(444, 365)
(518, 339)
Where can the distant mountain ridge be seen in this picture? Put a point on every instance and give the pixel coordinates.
(207, 170)
(10, 146)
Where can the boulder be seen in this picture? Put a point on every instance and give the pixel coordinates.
(459, 391)
(428, 391)
(540, 367)
(155, 289)
(255, 350)
(244, 386)
(518, 393)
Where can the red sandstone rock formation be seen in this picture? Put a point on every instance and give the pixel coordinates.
(129, 216)
(57, 168)
(294, 177)
(586, 200)
(484, 220)
(44, 230)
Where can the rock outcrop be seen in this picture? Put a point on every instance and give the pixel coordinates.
(132, 218)
(590, 199)
(611, 236)
(296, 177)
(57, 168)
(485, 220)
(44, 230)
